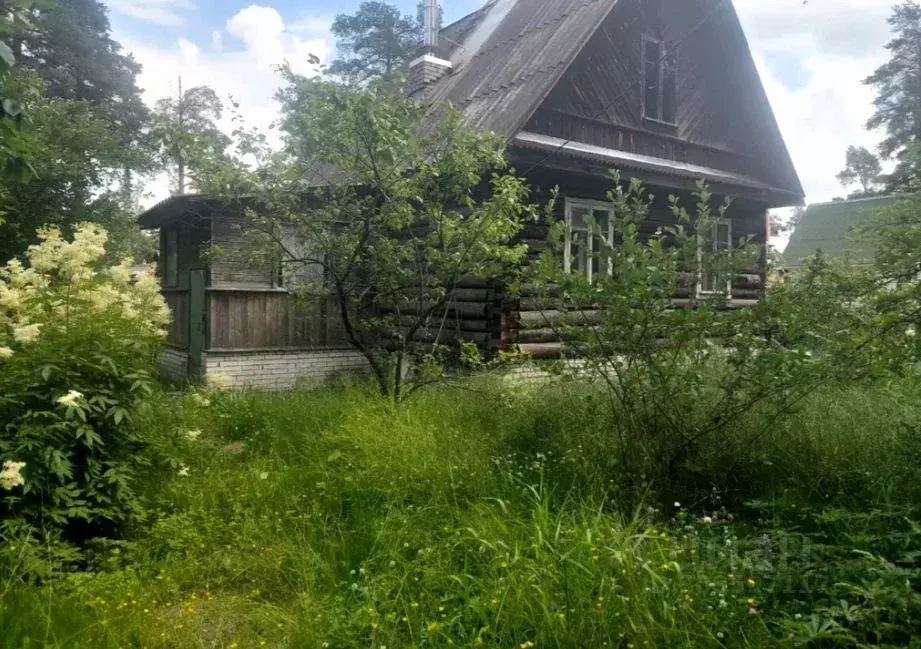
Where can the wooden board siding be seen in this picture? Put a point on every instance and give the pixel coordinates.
(241, 320)
(178, 302)
(231, 266)
(723, 120)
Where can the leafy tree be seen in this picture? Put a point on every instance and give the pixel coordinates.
(898, 94)
(384, 218)
(861, 168)
(78, 158)
(185, 129)
(16, 146)
(375, 42)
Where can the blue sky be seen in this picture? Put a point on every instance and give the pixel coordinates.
(198, 20)
(812, 59)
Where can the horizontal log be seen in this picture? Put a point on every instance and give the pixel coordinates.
(545, 335)
(469, 281)
(540, 319)
(472, 295)
(530, 290)
(455, 310)
(745, 294)
(542, 350)
(731, 304)
(741, 280)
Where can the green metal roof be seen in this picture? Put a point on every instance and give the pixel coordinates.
(827, 227)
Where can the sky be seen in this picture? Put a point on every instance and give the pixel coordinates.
(812, 57)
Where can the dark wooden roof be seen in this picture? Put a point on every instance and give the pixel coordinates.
(508, 55)
(174, 207)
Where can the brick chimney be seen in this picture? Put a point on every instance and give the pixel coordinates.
(427, 68)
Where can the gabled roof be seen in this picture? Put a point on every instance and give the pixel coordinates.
(826, 227)
(507, 56)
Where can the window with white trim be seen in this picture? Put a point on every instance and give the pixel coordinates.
(589, 233)
(714, 276)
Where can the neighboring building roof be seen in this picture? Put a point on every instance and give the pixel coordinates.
(826, 227)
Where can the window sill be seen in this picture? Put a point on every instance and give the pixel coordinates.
(669, 128)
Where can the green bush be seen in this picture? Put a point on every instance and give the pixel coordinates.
(78, 344)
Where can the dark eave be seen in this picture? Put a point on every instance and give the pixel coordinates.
(174, 208)
(534, 149)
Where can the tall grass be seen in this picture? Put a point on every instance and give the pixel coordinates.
(491, 517)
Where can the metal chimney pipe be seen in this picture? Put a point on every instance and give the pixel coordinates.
(430, 25)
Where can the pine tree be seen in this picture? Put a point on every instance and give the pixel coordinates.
(898, 94)
(376, 42)
(71, 48)
(861, 168)
(185, 129)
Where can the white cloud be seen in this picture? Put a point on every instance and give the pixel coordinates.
(160, 12)
(837, 44)
(188, 51)
(243, 68)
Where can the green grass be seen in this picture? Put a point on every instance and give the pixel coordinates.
(492, 517)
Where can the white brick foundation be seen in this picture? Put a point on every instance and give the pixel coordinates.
(269, 370)
(173, 365)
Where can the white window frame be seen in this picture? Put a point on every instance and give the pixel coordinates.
(715, 224)
(666, 62)
(591, 205)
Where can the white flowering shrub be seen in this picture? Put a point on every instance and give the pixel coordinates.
(78, 343)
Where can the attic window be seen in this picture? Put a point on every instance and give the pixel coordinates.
(659, 81)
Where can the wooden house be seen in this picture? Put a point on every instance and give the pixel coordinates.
(664, 90)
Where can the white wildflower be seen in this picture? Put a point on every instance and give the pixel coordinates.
(26, 333)
(201, 400)
(192, 435)
(11, 475)
(911, 332)
(183, 471)
(707, 519)
(70, 399)
(677, 505)
(5, 352)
